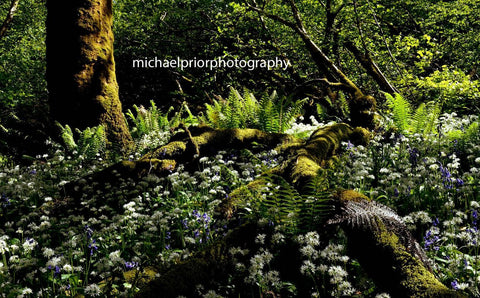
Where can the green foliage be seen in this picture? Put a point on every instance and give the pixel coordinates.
(423, 120)
(90, 143)
(455, 89)
(279, 202)
(22, 56)
(468, 135)
(147, 121)
(151, 128)
(271, 114)
(401, 111)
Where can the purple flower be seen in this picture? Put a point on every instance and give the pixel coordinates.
(4, 201)
(454, 285)
(431, 240)
(349, 145)
(88, 231)
(93, 247)
(131, 265)
(414, 155)
(460, 182)
(396, 192)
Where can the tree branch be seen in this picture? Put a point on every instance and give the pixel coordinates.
(9, 18)
(371, 67)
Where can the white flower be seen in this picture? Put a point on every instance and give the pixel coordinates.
(307, 268)
(278, 238)
(29, 245)
(212, 294)
(47, 252)
(54, 262)
(312, 239)
(93, 290)
(260, 239)
(3, 245)
(337, 274)
(115, 257)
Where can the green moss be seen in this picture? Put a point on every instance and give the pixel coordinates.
(350, 195)
(304, 170)
(416, 280)
(170, 150)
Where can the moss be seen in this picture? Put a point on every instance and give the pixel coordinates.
(170, 150)
(83, 87)
(304, 170)
(416, 280)
(350, 195)
(360, 136)
(203, 268)
(140, 278)
(394, 269)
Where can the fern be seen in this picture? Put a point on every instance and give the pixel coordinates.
(66, 134)
(147, 121)
(463, 137)
(401, 111)
(90, 143)
(279, 202)
(371, 216)
(423, 120)
(270, 114)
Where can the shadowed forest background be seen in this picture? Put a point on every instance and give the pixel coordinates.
(352, 173)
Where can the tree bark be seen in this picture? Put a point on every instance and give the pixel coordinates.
(83, 89)
(9, 17)
(371, 68)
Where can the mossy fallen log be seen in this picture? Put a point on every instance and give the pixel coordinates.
(376, 234)
(381, 242)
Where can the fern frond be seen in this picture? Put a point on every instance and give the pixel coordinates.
(270, 114)
(67, 136)
(373, 217)
(401, 111)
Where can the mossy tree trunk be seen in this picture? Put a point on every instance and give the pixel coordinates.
(83, 89)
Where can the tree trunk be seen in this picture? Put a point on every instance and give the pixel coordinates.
(83, 89)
